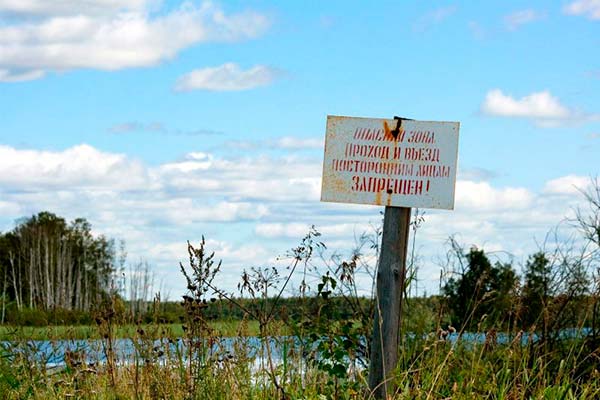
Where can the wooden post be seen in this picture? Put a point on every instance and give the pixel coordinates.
(391, 273)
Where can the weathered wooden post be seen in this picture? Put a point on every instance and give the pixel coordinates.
(391, 275)
(400, 164)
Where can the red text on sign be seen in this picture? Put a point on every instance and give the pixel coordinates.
(389, 185)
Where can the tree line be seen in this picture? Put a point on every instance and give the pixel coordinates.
(559, 287)
(48, 263)
(550, 295)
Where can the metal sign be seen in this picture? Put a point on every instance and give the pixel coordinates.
(390, 162)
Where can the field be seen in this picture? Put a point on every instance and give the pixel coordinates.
(279, 360)
(85, 332)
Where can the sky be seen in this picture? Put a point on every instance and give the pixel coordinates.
(165, 121)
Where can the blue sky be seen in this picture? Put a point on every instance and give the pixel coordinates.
(160, 121)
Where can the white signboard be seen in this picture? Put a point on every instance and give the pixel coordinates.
(373, 161)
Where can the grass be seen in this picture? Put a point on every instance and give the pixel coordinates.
(439, 369)
(84, 332)
(429, 367)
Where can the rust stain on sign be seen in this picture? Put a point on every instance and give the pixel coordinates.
(378, 198)
(413, 164)
(393, 135)
(388, 132)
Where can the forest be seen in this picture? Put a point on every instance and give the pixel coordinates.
(47, 263)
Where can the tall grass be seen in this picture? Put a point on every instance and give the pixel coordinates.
(433, 366)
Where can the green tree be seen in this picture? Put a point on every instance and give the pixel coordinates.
(480, 289)
(536, 291)
(49, 264)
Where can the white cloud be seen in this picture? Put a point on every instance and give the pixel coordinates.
(295, 143)
(243, 254)
(481, 196)
(545, 109)
(536, 105)
(227, 77)
(570, 184)
(515, 20)
(283, 178)
(9, 208)
(230, 190)
(121, 39)
(588, 8)
(16, 76)
(193, 161)
(182, 211)
(70, 7)
(295, 230)
(81, 166)
(277, 229)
